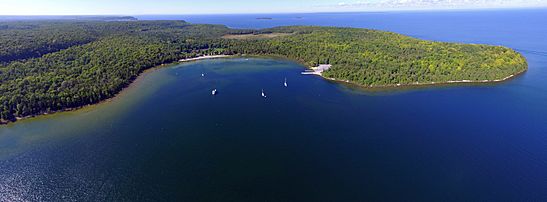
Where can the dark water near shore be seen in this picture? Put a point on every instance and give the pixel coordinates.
(167, 138)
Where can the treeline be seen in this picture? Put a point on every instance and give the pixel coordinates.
(52, 66)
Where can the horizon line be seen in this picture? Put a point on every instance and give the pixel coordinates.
(318, 12)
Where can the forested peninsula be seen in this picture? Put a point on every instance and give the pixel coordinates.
(50, 66)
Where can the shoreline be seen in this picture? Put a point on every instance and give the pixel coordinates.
(317, 70)
(140, 76)
(426, 84)
(390, 86)
(204, 57)
(324, 67)
(131, 84)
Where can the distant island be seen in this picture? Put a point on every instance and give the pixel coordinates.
(57, 65)
(264, 18)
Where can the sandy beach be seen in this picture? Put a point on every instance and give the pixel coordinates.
(203, 58)
(318, 70)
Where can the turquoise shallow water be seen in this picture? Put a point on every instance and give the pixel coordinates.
(168, 138)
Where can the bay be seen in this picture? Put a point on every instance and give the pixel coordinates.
(167, 138)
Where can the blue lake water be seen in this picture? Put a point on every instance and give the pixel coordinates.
(167, 138)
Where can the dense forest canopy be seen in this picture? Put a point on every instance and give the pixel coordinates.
(377, 58)
(49, 66)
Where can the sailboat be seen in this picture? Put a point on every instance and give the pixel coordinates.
(263, 95)
(202, 75)
(214, 92)
(285, 82)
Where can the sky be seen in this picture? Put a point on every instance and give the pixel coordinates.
(143, 7)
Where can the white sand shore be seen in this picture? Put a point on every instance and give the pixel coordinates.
(203, 58)
(318, 70)
(425, 83)
(464, 81)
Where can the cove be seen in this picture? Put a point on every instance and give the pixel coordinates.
(167, 138)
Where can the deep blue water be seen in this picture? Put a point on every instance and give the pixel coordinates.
(167, 138)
